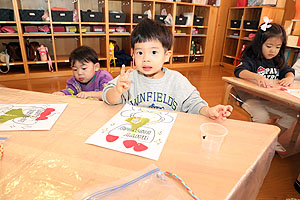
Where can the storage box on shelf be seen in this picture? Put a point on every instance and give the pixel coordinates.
(242, 24)
(94, 27)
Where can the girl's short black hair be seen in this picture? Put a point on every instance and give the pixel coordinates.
(254, 49)
(148, 30)
(83, 54)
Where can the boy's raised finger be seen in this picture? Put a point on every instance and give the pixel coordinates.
(122, 73)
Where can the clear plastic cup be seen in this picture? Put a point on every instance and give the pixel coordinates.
(212, 135)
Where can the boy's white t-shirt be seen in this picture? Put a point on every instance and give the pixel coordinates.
(171, 92)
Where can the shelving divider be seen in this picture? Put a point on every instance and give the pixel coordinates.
(203, 59)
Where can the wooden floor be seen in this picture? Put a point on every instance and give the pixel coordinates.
(279, 181)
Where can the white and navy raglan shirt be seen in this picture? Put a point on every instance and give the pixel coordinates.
(264, 67)
(171, 92)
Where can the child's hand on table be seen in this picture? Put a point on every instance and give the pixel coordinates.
(262, 81)
(217, 112)
(287, 81)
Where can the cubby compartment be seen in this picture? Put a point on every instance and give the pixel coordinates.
(199, 31)
(119, 11)
(202, 12)
(230, 47)
(228, 60)
(196, 58)
(199, 45)
(248, 35)
(251, 18)
(68, 12)
(122, 51)
(139, 9)
(96, 6)
(182, 31)
(233, 33)
(65, 29)
(235, 15)
(119, 30)
(13, 49)
(40, 67)
(6, 11)
(184, 15)
(179, 59)
(103, 64)
(36, 48)
(14, 69)
(168, 6)
(92, 30)
(36, 29)
(8, 29)
(30, 11)
(181, 46)
(64, 46)
(97, 43)
(64, 66)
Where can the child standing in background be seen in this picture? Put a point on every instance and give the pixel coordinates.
(88, 79)
(262, 60)
(152, 85)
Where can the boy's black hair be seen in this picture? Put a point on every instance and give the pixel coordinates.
(148, 30)
(83, 54)
(254, 49)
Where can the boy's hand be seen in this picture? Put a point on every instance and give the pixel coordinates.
(217, 112)
(123, 83)
(262, 81)
(287, 81)
(83, 95)
(59, 93)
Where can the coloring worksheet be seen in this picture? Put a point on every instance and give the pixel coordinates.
(136, 130)
(14, 117)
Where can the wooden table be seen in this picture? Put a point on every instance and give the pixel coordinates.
(56, 164)
(272, 94)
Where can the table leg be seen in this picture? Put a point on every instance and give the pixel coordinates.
(296, 131)
(228, 88)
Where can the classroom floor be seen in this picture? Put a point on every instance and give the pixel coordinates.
(278, 183)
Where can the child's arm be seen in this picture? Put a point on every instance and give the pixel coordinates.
(92, 94)
(113, 95)
(59, 93)
(288, 80)
(260, 80)
(216, 112)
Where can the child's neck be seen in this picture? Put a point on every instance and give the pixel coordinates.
(90, 81)
(157, 75)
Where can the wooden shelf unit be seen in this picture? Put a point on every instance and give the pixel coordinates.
(60, 45)
(233, 44)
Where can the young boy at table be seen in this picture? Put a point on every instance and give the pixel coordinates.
(152, 85)
(88, 79)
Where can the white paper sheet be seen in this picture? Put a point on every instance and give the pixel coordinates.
(295, 92)
(147, 140)
(14, 117)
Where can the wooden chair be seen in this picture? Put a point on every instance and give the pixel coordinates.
(228, 99)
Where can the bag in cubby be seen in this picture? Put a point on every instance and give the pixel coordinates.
(33, 53)
(14, 51)
(254, 2)
(4, 58)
